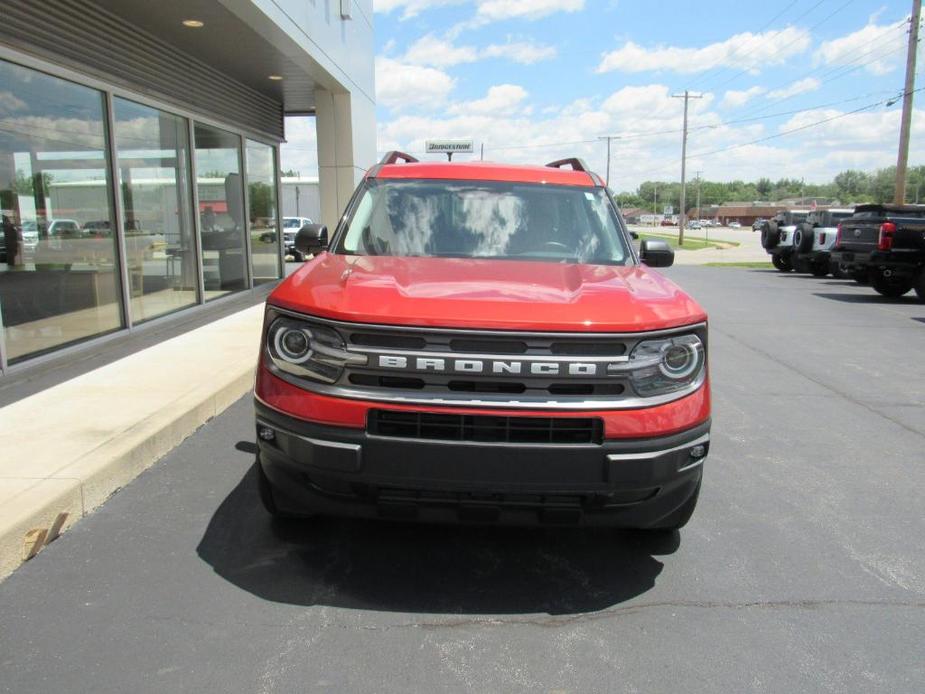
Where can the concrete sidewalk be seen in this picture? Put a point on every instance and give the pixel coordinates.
(71, 446)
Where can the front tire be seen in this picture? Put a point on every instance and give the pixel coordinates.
(781, 263)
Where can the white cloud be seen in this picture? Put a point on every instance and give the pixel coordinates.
(9, 102)
(399, 84)
(809, 84)
(438, 52)
(855, 130)
(430, 50)
(410, 8)
(860, 46)
(495, 10)
(501, 100)
(486, 10)
(523, 52)
(736, 98)
(649, 121)
(747, 51)
(299, 152)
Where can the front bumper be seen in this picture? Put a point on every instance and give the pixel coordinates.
(315, 468)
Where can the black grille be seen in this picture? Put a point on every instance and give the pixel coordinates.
(486, 428)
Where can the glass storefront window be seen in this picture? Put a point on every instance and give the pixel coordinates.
(152, 161)
(221, 210)
(58, 269)
(261, 196)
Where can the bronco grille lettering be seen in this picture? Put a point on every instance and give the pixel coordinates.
(488, 366)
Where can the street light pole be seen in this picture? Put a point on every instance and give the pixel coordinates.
(655, 204)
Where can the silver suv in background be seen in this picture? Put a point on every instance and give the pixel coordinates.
(814, 240)
(777, 237)
(291, 226)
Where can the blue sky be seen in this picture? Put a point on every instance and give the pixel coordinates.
(536, 80)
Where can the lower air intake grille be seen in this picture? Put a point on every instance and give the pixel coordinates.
(485, 428)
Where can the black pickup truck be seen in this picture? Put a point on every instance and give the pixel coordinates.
(885, 244)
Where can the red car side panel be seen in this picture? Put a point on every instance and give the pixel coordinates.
(661, 420)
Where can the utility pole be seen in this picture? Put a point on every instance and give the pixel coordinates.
(902, 159)
(608, 138)
(687, 96)
(655, 204)
(699, 216)
(482, 152)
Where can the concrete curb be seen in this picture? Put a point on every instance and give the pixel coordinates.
(35, 510)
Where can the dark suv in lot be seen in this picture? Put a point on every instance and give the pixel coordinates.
(884, 244)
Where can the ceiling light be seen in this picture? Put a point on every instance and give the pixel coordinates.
(193, 23)
(276, 78)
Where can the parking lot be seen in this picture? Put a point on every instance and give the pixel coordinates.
(803, 568)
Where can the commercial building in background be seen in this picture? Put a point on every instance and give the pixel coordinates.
(139, 153)
(300, 197)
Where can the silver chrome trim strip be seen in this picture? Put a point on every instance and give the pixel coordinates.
(352, 447)
(500, 402)
(650, 455)
(490, 333)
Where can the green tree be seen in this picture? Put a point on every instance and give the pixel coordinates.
(764, 187)
(261, 200)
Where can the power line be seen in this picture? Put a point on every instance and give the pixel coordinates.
(778, 51)
(830, 75)
(784, 133)
(757, 33)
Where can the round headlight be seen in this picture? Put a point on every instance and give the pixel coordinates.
(293, 344)
(678, 360)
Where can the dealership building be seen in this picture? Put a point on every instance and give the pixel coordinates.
(139, 154)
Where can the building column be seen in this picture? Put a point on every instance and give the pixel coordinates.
(346, 128)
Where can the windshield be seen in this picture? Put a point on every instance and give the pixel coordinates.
(485, 219)
(290, 222)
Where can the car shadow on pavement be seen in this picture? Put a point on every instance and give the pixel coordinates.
(872, 298)
(426, 568)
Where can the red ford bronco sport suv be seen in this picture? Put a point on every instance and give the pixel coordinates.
(481, 343)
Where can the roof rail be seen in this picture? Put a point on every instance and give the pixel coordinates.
(395, 156)
(576, 164)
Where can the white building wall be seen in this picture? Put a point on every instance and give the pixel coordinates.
(339, 54)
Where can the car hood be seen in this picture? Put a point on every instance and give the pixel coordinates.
(486, 294)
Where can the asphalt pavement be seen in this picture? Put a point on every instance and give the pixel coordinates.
(803, 568)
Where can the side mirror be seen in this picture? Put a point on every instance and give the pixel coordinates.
(656, 253)
(633, 235)
(311, 239)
